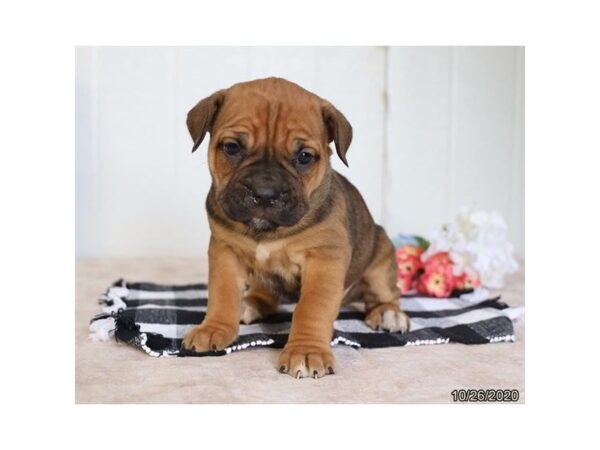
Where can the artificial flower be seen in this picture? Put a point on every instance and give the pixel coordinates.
(476, 242)
(437, 260)
(408, 265)
(466, 281)
(437, 282)
(408, 250)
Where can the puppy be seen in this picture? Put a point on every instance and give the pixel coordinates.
(284, 223)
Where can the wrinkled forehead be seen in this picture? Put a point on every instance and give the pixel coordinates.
(272, 118)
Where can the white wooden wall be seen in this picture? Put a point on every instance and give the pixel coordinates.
(434, 129)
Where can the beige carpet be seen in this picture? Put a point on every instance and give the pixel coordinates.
(116, 373)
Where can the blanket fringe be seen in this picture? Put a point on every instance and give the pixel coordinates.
(507, 338)
(113, 299)
(245, 345)
(344, 341)
(102, 330)
(428, 342)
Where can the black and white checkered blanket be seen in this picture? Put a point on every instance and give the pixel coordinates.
(154, 318)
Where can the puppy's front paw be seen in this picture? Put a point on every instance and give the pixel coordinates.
(388, 317)
(300, 361)
(208, 336)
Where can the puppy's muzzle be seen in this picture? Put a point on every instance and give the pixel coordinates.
(263, 200)
(267, 190)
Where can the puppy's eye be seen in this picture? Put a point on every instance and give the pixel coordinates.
(231, 148)
(304, 158)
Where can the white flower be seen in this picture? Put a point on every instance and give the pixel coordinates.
(476, 242)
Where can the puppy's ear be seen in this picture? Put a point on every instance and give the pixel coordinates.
(201, 117)
(338, 129)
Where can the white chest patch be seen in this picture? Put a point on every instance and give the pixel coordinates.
(265, 250)
(262, 252)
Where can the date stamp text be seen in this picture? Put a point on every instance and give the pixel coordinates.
(485, 395)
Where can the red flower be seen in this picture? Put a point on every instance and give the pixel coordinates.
(466, 281)
(441, 259)
(408, 250)
(408, 266)
(434, 276)
(437, 279)
(437, 282)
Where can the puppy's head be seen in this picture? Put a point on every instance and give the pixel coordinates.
(269, 149)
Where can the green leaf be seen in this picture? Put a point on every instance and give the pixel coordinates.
(423, 243)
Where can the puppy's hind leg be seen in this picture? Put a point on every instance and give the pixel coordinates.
(382, 301)
(258, 303)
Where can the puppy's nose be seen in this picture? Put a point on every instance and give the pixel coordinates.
(265, 193)
(265, 187)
